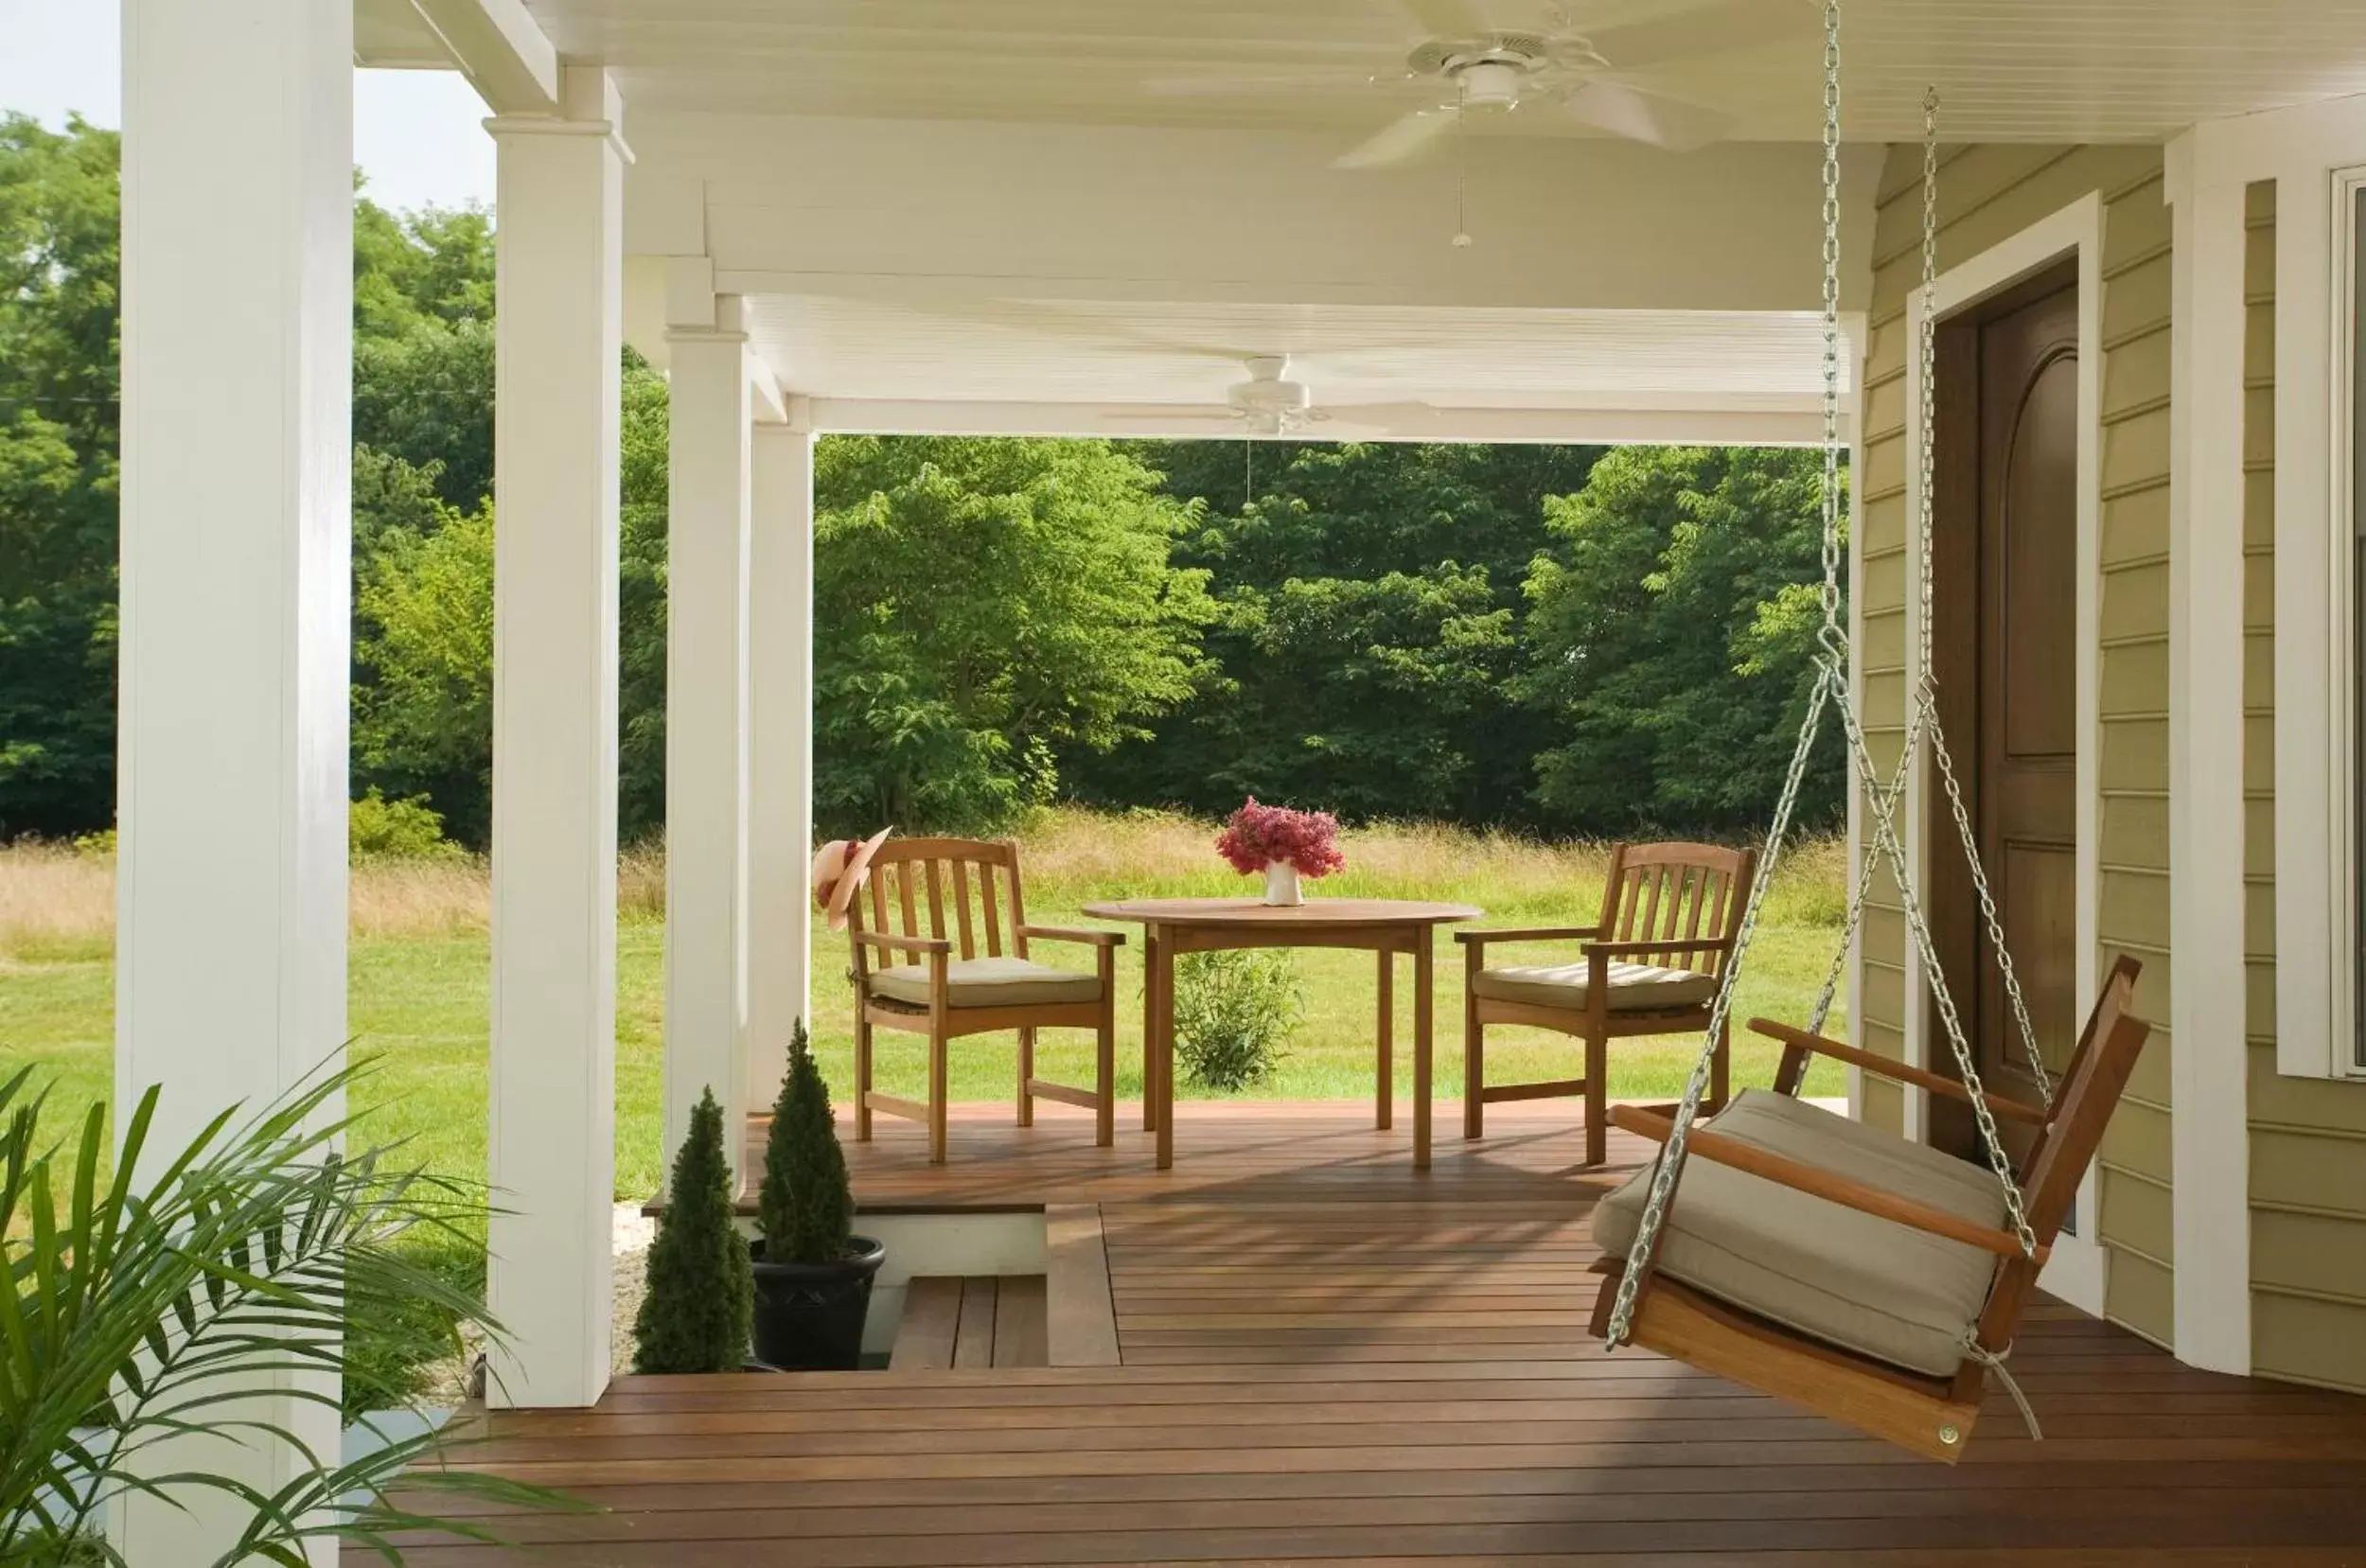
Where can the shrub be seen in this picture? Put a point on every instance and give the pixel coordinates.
(701, 1304)
(408, 829)
(1232, 1011)
(806, 1208)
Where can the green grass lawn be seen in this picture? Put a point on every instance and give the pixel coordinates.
(419, 996)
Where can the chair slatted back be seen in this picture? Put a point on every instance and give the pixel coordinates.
(1677, 893)
(962, 891)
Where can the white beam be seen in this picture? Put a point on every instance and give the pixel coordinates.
(552, 1152)
(499, 48)
(780, 817)
(236, 490)
(706, 727)
(1770, 427)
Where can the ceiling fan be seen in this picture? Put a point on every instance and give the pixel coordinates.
(1465, 65)
(1269, 403)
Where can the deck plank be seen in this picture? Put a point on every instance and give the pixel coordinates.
(1305, 1352)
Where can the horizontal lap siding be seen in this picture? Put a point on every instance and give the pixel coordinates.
(2307, 1137)
(1988, 194)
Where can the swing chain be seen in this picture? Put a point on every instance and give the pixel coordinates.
(1832, 681)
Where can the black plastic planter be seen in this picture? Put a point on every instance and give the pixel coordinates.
(809, 1316)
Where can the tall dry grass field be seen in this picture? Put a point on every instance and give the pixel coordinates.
(421, 969)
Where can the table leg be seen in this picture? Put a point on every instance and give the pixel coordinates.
(1384, 1107)
(1422, 943)
(1166, 1054)
(1149, 1027)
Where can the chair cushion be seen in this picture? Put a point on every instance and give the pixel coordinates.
(1633, 987)
(1873, 1286)
(987, 982)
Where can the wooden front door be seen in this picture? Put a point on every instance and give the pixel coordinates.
(2005, 627)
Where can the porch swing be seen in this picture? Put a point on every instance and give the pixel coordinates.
(1843, 1268)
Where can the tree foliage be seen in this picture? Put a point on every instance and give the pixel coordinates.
(58, 471)
(982, 606)
(804, 1210)
(1671, 637)
(700, 1309)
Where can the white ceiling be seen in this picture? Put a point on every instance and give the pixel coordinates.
(1088, 352)
(2035, 70)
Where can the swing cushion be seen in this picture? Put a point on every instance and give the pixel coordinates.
(1633, 987)
(987, 982)
(1872, 1286)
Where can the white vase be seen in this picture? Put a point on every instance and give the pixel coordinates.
(1281, 885)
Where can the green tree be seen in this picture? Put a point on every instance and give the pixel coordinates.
(700, 1305)
(1670, 641)
(982, 606)
(1367, 644)
(804, 1210)
(58, 469)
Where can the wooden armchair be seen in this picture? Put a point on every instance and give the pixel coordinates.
(939, 984)
(1650, 965)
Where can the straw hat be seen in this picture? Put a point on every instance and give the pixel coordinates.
(839, 869)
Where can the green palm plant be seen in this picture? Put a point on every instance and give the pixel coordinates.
(173, 1308)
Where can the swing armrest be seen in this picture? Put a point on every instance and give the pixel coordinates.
(1540, 933)
(1748, 1157)
(2011, 1110)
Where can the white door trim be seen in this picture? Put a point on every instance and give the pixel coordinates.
(2075, 1272)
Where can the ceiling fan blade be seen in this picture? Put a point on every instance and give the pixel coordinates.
(1447, 18)
(1180, 413)
(1639, 116)
(1718, 27)
(1401, 140)
(1345, 420)
(1249, 83)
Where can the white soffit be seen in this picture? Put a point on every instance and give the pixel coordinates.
(1101, 352)
(2025, 70)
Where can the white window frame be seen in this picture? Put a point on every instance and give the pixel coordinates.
(2342, 1052)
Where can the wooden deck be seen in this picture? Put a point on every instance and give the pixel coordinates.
(1324, 1357)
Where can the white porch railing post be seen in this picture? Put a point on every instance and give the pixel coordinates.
(706, 726)
(237, 538)
(552, 1153)
(780, 823)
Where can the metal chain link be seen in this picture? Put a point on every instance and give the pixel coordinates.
(1925, 719)
(1832, 688)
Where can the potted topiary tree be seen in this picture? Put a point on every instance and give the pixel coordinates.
(812, 1274)
(694, 1316)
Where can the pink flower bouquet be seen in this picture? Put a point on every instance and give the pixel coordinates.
(1257, 837)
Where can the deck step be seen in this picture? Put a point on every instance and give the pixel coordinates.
(982, 1321)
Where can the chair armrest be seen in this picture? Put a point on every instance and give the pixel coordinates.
(1637, 948)
(1538, 933)
(902, 944)
(2012, 1110)
(1748, 1157)
(1074, 933)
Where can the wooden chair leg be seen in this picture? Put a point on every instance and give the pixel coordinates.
(862, 1075)
(1474, 1067)
(937, 1138)
(1596, 1100)
(1026, 1072)
(1721, 1069)
(1106, 1081)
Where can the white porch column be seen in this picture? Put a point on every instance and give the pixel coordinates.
(706, 726)
(237, 358)
(554, 1057)
(780, 797)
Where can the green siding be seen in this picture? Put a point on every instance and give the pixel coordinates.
(2307, 1158)
(1986, 194)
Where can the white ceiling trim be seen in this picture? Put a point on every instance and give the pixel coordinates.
(498, 47)
(1575, 427)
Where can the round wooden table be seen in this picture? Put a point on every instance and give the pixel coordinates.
(1384, 925)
